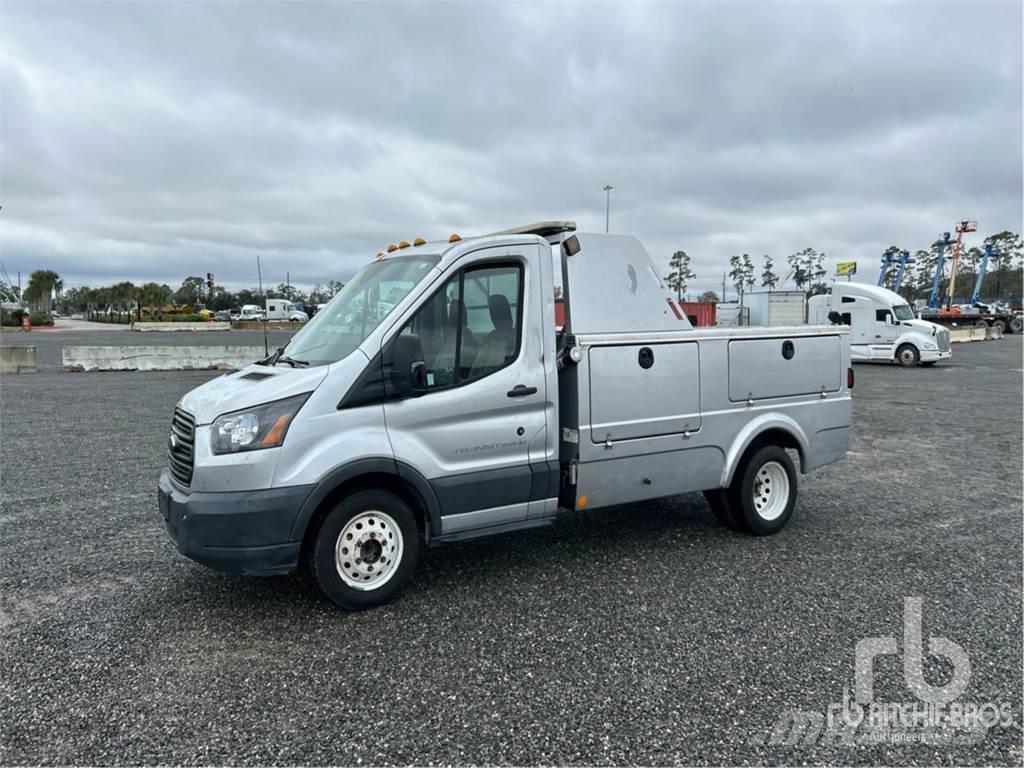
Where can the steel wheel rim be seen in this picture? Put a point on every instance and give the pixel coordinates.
(368, 550)
(907, 356)
(771, 491)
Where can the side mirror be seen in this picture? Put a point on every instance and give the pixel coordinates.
(888, 318)
(835, 318)
(405, 372)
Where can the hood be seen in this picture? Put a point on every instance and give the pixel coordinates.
(923, 326)
(253, 385)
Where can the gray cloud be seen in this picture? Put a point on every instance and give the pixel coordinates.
(153, 140)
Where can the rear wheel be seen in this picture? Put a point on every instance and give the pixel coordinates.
(366, 550)
(764, 493)
(1017, 324)
(980, 324)
(907, 355)
(1000, 324)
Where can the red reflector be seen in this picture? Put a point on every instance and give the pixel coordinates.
(849, 378)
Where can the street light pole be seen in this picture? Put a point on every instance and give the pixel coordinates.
(607, 205)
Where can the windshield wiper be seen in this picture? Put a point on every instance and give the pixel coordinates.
(291, 361)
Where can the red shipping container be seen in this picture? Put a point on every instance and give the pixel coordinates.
(700, 313)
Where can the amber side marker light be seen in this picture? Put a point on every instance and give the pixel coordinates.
(403, 244)
(454, 237)
(419, 241)
(275, 434)
(581, 502)
(392, 247)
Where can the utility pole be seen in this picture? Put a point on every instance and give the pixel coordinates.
(723, 286)
(607, 205)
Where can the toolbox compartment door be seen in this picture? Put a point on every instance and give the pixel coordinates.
(784, 366)
(644, 390)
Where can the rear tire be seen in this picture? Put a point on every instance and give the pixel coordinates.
(1000, 324)
(366, 550)
(1016, 324)
(908, 356)
(764, 492)
(980, 324)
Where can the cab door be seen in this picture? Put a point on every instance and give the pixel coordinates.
(483, 408)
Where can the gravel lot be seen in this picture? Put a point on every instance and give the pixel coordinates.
(642, 634)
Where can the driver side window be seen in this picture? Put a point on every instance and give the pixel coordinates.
(471, 327)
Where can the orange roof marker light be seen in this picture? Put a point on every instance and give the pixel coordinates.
(380, 255)
(392, 247)
(419, 241)
(403, 243)
(454, 237)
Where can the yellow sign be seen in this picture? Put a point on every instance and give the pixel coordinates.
(844, 268)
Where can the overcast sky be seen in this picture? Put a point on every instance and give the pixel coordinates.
(153, 140)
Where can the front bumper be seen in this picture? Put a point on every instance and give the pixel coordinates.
(239, 531)
(931, 355)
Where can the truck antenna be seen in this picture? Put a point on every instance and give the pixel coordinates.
(259, 273)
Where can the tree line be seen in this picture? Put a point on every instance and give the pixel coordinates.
(806, 269)
(45, 292)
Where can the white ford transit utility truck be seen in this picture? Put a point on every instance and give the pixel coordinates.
(433, 400)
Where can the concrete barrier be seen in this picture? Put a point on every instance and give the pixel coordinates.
(199, 326)
(159, 358)
(17, 359)
(257, 325)
(957, 335)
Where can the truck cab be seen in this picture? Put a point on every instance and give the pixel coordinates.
(436, 399)
(883, 327)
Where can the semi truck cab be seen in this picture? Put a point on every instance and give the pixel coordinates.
(435, 400)
(883, 327)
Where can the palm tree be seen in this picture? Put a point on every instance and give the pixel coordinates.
(40, 288)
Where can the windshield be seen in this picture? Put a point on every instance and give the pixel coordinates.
(903, 312)
(342, 325)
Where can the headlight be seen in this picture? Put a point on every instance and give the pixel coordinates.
(254, 428)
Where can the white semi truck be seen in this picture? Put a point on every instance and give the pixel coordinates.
(433, 400)
(883, 327)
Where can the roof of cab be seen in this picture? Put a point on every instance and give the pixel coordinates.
(549, 230)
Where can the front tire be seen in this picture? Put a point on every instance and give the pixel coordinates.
(908, 356)
(764, 494)
(366, 550)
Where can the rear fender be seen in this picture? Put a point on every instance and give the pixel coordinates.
(756, 428)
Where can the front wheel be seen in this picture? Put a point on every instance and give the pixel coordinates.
(366, 550)
(907, 355)
(765, 492)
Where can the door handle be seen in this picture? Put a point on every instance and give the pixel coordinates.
(521, 391)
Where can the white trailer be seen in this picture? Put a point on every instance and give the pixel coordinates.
(776, 307)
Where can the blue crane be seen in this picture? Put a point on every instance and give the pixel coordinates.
(889, 258)
(933, 297)
(982, 266)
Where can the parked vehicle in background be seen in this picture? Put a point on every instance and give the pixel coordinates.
(282, 309)
(459, 411)
(701, 314)
(776, 307)
(223, 314)
(252, 312)
(78, 316)
(882, 325)
(978, 315)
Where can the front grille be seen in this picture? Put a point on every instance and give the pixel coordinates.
(180, 449)
(943, 338)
